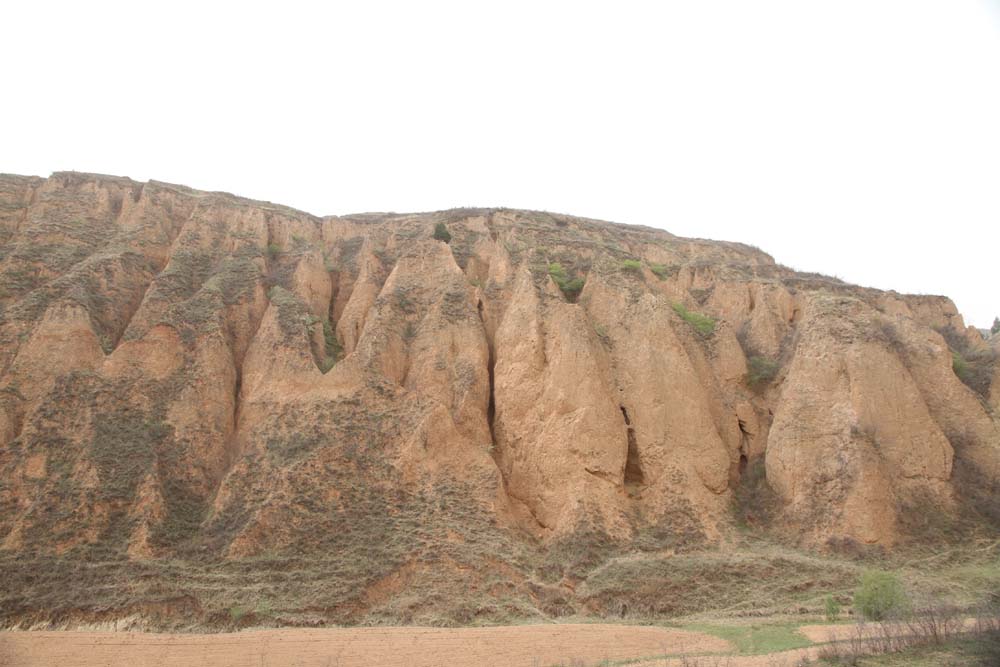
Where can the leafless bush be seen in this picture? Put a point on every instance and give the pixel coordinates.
(935, 624)
(837, 653)
(927, 626)
(987, 618)
(984, 625)
(863, 639)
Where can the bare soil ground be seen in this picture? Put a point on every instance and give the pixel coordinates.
(511, 646)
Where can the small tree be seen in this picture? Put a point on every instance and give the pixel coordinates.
(832, 608)
(996, 325)
(880, 596)
(441, 233)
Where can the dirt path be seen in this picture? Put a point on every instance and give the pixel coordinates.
(512, 646)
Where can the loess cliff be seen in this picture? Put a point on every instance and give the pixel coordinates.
(352, 415)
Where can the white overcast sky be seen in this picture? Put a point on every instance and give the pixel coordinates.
(854, 138)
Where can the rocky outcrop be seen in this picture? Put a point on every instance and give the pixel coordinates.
(187, 373)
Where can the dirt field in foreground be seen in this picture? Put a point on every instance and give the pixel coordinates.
(511, 646)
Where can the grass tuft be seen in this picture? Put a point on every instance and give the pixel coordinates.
(701, 323)
(662, 271)
(632, 266)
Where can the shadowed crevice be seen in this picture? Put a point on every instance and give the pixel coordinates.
(633, 468)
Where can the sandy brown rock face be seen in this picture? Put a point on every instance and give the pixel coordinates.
(851, 431)
(193, 375)
(560, 436)
(679, 461)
